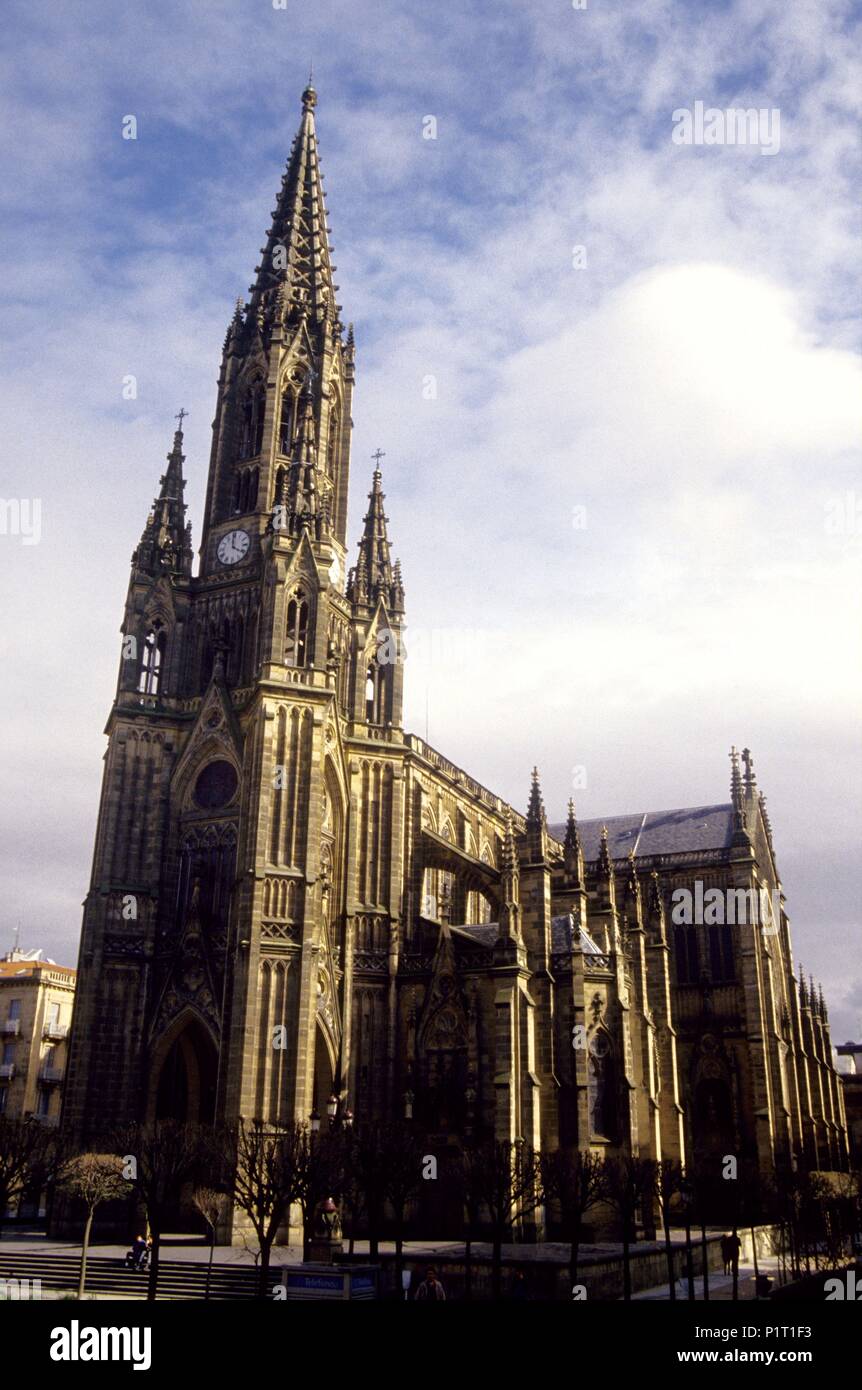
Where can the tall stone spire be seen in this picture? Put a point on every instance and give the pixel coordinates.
(536, 807)
(166, 542)
(749, 779)
(296, 266)
(536, 822)
(573, 849)
(738, 794)
(606, 883)
(632, 904)
(374, 575)
(510, 938)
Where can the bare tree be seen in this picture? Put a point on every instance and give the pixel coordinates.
(93, 1179)
(211, 1204)
(166, 1157)
(577, 1182)
(368, 1156)
(29, 1153)
(267, 1178)
(403, 1175)
(322, 1159)
(631, 1181)
(669, 1181)
(506, 1178)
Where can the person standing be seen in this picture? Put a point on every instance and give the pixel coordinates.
(431, 1289)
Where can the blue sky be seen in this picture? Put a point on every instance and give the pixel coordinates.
(695, 387)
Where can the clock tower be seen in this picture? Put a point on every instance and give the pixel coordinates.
(215, 963)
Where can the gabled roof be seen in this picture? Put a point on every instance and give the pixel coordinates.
(656, 832)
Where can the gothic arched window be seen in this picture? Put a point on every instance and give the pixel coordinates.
(296, 639)
(286, 424)
(252, 420)
(721, 951)
(152, 660)
(600, 1087)
(687, 955)
(376, 693)
(332, 444)
(235, 653)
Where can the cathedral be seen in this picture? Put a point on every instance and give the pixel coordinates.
(297, 906)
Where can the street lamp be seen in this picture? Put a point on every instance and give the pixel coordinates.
(315, 1121)
(332, 1107)
(408, 1105)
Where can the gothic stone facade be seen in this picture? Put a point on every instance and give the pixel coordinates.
(277, 860)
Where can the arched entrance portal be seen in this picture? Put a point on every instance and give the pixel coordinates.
(324, 1072)
(184, 1074)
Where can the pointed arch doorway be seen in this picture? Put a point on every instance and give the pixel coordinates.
(183, 1076)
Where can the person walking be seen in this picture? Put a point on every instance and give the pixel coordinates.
(431, 1288)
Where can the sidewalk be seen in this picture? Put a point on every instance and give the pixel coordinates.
(720, 1285)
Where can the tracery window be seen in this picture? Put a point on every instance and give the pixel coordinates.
(332, 444)
(376, 690)
(245, 486)
(286, 423)
(296, 639)
(600, 1086)
(152, 660)
(721, 951)
(253, 408)
(687, 955)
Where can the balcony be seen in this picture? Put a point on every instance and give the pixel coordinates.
(55, 1031)
(7, 1071)
(50, 1076)
(11, 1028)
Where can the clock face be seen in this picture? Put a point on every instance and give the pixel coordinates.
(233, 547)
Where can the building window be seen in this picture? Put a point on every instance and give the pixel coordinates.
(687, 956)
(245, 486)
(152, 660)
(375, 694)
(721, 952)
(332, 445)
(252, 421)
(296, 642)
(43, 1102)
(286, 425)
(14, 1009)
(600, 1085)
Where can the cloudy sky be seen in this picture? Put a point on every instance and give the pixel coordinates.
(630, 518)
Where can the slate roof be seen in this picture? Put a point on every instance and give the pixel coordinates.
(656, 832)
(561, 935)
(480, 935)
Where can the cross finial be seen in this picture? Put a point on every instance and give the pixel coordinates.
(380, 454)
(181, 415)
